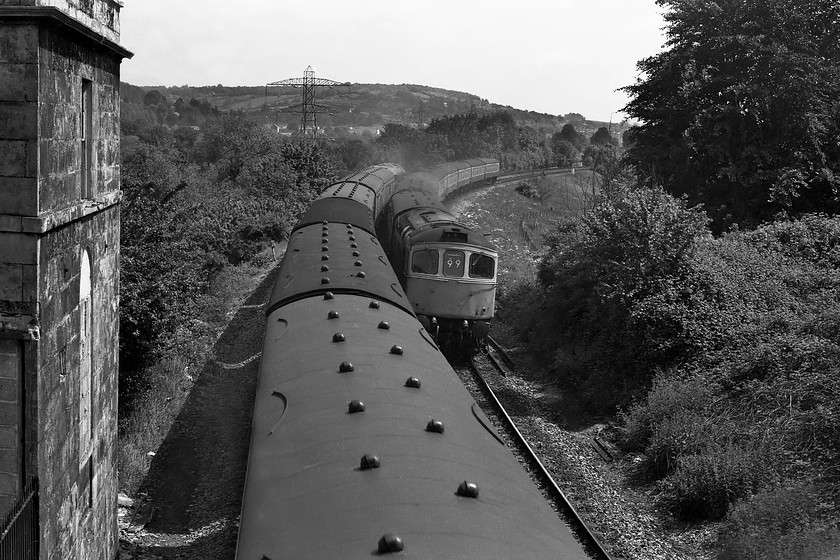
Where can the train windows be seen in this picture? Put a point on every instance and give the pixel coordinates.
(425, 261)
(453, 263)
(481, 266)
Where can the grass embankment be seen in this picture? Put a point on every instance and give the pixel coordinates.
(510, 217)
(143, 428)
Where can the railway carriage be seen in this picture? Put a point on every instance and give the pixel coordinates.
(364, 442)
(456, 175)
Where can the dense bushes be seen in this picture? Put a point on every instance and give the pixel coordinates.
(616, 283)
(723, 353)
(192, 208)
(465, 136)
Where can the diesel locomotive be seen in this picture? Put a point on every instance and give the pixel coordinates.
(447, 269)
(364, 442)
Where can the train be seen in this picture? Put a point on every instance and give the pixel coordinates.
(447, 269)
(364, 441)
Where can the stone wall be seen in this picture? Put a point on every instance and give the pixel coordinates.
(78, 505)
(102, 16)
(18, 119)
(55, 227)
(18, 251)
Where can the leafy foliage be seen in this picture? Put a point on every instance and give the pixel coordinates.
(465, 136)
(723, 352)
(196, 204)
(742, 112)
(564, 152)
(602, 137)
(620, 271)
(780, 524)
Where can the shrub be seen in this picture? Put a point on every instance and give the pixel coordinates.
(704, 485)
(622, 289)
(780, 524)
(528, 190)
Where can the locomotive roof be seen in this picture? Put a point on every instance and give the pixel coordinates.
(432, 222)
(410, 199)
(452, 233)
(376, 176)
(337, 209)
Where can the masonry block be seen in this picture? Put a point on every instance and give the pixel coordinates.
(9, 485)
(18, 82)
(9, 414)
(11, 282)
(18, 248)
(19, 195)
(8, 390)
(19, 44)
(9, 359)
(9, 438)
(13, 154)
(9, 463)
(18, 121)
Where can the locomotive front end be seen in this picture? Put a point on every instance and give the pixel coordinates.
(451, 281)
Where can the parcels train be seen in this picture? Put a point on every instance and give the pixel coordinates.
(364, 442)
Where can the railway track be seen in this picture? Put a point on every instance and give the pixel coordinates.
(471, 375)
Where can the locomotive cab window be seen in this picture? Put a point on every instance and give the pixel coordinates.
(453, 263)
(425, 261)
(481, 266)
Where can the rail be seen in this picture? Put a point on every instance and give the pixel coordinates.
(586, 534)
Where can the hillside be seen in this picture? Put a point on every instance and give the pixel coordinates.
(355, 108)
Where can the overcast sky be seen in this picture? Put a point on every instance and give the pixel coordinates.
(552, 56)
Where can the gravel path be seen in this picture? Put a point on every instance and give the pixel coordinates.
(195, 481)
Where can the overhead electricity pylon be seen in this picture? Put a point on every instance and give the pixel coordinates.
(308, 109)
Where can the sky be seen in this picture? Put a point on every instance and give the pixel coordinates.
(550, 56)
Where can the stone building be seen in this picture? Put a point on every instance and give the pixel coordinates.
(59, 256)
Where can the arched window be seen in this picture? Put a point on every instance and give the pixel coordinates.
(85, 362)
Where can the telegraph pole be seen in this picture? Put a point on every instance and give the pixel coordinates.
(308, 109)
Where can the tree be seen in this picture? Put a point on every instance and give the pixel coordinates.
(602, 137)
(742, 111)
(231, 142)
(356, 154)
(153, 97)
(604, 159)
(564, 152)
(569, 134)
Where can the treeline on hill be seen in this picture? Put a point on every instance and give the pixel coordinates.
(496, 135)
(700, 299)
(354, 110)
